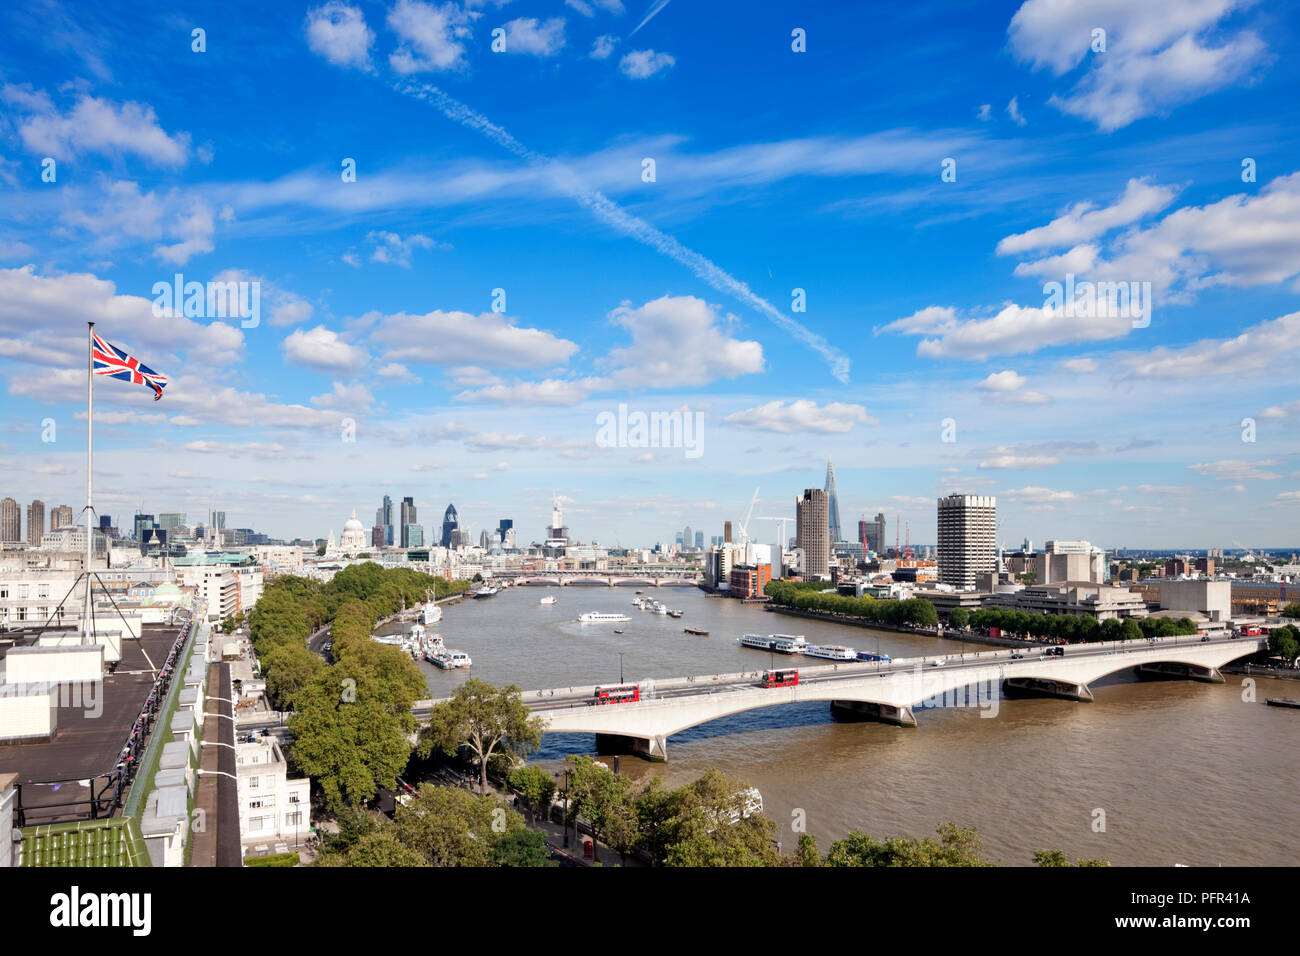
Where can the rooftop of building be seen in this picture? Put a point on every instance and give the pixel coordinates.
(89, 738)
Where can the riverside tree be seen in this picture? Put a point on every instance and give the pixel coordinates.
(486, 720)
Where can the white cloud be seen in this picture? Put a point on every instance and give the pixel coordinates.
(1013, 110)
(588, 7)
(49, 315)
(1236, 470)
(338, 32)
(603, 47)
(1157, 55)
(529, 36)
(1006, 386)
(286, 308)
(1039, 495)
(679, 340)
(1019, 461)
(985, 112)
(801, 416)
(95, 125)
(642, 64)
(430, 36)
(1005, 381)
(395, 373)
(458, 338)
(194, 230)
(1015, 329)
(470, 375)
(552, 391)
(354, 397)
(1084, 221)
(392, 249)
(1081, 365)
(1257, 348)
(322, 349)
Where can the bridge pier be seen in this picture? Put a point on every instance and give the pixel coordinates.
(1017, 687)
(1164, 670)
(654, 749)
(850, 711)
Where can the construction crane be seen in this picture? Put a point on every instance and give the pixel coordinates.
(744, 525)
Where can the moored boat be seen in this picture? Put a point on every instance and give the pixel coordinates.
(780, 643)
(697, 630)
(831, 652)
(1282, 702)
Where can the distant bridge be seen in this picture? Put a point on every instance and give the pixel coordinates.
(619, 577)
(883, 691)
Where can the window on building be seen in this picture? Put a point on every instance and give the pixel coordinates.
(252, 782)
(42, 590)
(22, 592)
(293, 819)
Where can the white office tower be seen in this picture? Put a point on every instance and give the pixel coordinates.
(967, 538)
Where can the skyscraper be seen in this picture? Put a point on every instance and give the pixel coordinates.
(726, 532)
(170, 521)
(449, 524)
(967, 532)
(833, 498)
(61, 517)
(688, 539)
(35, 522)
(873, 533)
(812, 531)
(11, 521)
(504, 525)
(699, 541)
(141, 524)
(377, 537)
(414, 535)
(384, 517)
(408, 518)
(557, 535)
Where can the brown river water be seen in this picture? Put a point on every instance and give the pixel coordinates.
(1150, 773)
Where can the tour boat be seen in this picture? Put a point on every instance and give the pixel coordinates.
(602, 617)
(549, 599)
(451, 660)
(430, 613)
(831, 652)
(781, 643)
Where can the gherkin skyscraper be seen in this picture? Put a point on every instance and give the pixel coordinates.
(833, 501)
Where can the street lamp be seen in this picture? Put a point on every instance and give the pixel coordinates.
(620, 667)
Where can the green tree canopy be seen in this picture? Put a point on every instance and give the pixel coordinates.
(485, 719)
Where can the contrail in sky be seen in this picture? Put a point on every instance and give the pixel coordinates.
(654, 9)
(637, 228)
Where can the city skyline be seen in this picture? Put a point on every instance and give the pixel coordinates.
(853, 301)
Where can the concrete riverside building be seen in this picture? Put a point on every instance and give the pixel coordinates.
(812, 532)
(967, 533)
(1070, 561)
(1099, 601)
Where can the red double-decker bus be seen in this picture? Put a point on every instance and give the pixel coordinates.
(783, 677)
(618, 694)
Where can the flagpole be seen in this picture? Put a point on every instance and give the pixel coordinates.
(87, 626)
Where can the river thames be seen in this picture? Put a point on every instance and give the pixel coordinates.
(1150, 773)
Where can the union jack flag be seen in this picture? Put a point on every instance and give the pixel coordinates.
(115, 363)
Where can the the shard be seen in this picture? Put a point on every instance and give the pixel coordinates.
(833, 501)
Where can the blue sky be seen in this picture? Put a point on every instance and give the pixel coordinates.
(775, 170)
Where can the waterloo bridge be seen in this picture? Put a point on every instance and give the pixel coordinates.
(882, 691)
